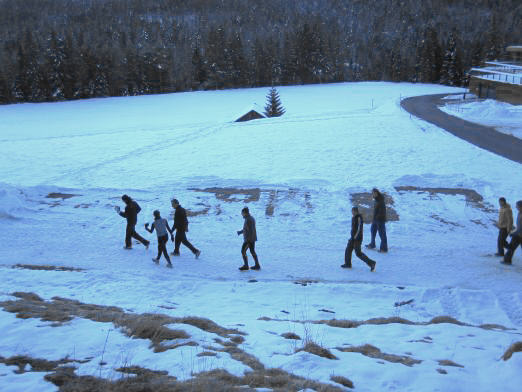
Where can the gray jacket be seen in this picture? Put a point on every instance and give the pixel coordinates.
(249, 229)
(518, 230)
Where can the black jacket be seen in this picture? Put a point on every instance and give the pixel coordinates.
(379, 208)
(180, 219)
(357, 228)
(249, 229)
(131, 212)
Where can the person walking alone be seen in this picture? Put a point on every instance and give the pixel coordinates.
(162, 231)
(131, 212)
(379, 221)
(181, 227)
(249, 240)
(355, 241)
(516, 236)
(504, 224)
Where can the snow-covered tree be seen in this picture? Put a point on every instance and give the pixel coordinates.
(273, 107)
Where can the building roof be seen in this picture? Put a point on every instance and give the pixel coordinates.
(514, 48)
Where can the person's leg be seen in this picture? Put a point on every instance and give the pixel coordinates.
(140, 238)
(177, 242)
(162, 242)
(186, 242)
(381, 227)
(373, 232)
(244, 255)
(502, 240)
(128, 236)
(348, 255)
(515, 242)
(252, 246)
(362, 256)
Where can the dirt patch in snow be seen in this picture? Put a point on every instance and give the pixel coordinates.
(46, 267)
(364, 201)
(514, 348)
(373, 352)
(58, 195)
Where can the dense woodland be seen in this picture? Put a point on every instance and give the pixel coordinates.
(69, 49)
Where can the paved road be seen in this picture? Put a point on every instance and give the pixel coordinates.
(426, 108)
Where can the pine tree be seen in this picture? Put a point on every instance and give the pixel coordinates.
(273, 106)
(451, 73)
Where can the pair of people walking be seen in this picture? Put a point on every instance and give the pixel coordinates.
(180, 225)
(505, 229)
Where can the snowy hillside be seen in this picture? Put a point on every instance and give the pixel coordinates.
(112, 313)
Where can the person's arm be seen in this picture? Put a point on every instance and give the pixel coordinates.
(169, 229)
(147, 227)
(120, 213)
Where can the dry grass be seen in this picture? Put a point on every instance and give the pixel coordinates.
(345, 382)
(46, 267)
(314, 348)
(37, 365)
(448, 362)
(373, 352)
(514, 348)
(206, 354)
(446, 320)
(57, 195)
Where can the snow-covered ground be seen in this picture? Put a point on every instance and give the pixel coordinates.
(502, 116)
(298, 174)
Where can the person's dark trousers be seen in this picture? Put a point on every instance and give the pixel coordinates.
(252, 246)
(181, 238)
(515, 242)
(131, 233)
(502, 241)
(162, 247)
(380, 227)
(348, 253)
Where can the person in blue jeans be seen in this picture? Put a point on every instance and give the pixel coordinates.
(378, 222)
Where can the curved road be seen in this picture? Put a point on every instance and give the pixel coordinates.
(426, 108)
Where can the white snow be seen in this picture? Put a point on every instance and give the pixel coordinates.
(504, 117)
(333, 141)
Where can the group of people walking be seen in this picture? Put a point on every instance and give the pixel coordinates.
(180, 226)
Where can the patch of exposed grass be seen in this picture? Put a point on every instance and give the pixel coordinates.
(291, 335)
(37, 365)
(514, 348)
(46, 267)
(345, 382)
(206, 354)
(151, 326)
(446, 320)
(314, 348)
(448, 362)
(373, 352)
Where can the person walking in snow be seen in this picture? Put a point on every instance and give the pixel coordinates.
(130, 213)
(249, 240)
(379, 221)
(355, 241)
(504, 224)
(163, 229)
(181, 227)
(516, 236)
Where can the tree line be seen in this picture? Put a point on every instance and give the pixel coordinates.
(69, 49)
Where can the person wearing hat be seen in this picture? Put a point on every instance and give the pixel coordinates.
(516, 236)
(162, 231)
(130, 213)
(181, 227)
(249, 240)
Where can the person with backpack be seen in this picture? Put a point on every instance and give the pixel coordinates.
(355, 241)
(249, 240)
(181, 227)
(163, 229)
(378, 222)
(516, 236)
(131, 212)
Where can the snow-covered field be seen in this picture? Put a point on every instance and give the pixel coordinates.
(502, 116)
(299, 175)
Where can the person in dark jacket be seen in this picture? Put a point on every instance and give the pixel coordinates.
(379, 221)
(181, 227)
(516, 236)
(163, 229)
(249, 240)
(131, 212)
(355, 241)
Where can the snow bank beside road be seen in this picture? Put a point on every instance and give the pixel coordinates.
(502, 116)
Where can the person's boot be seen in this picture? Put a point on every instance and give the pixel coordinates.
(256, 267)
(244, 268)
(370, 246)
(156, 260)
(198, 252)
(169, 264)
(346, 265)
(372, 266)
